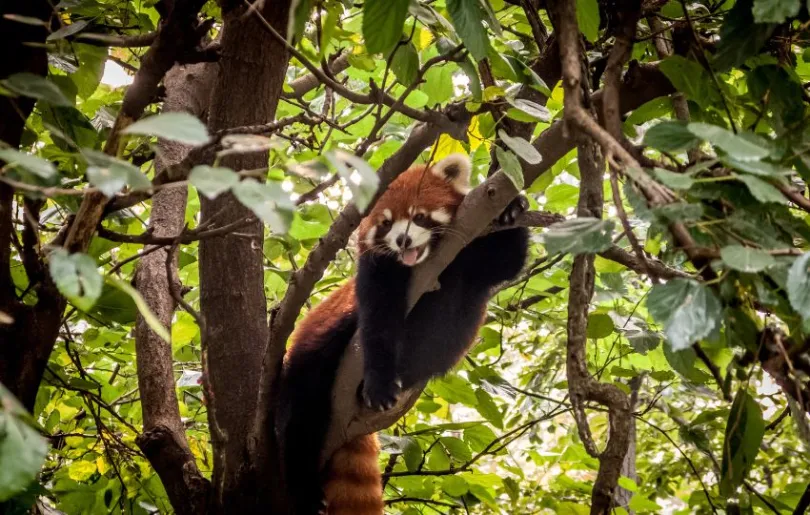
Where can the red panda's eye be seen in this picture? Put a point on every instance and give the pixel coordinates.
(419, 217)
(386, 223)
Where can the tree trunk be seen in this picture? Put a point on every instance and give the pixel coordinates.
(233, 305)
(163, 440)
(25, 344)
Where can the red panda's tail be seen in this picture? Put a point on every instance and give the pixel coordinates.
(354, 483)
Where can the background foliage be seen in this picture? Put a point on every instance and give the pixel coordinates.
(714, 431)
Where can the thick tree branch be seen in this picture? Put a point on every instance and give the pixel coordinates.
(163, 440)
(232, 297)
(26, 343)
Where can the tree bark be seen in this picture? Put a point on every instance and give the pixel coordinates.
(233, 304)
(163, 440)
(26, 344)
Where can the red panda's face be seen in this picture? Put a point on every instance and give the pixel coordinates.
(410, 217)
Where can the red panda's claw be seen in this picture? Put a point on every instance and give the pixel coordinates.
(379, 393)
(515, 208)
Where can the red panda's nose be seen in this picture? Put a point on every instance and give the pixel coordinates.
(404, 241)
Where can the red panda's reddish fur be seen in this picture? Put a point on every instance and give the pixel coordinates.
(351, 484)
(354, 482)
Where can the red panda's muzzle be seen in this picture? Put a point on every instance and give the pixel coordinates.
(410, 257)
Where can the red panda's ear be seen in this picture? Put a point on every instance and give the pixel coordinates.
(455, 169)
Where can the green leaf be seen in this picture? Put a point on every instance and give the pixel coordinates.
(143, 308)
(588, 19)
(600, 325)
(33, 164)
(107, 173)
(67, 30)
(360, 177)
(746, 259)
(762, 191)
(180, 127)
(412, 454)
(741, 148)
(521, 147)
(453, 389)
(301, 229)
(643, 504)
(267, 201)
(628, 484)
(798, 285)
(438, 84)
(77, 278)
(688, 310)
(81, 470)
(689, 78)
(744, 431)
(471, 71)
(642, 341)
(382, 24)
(405, 63)
(674, 180)
(22, 449)
(669, 137)
(510, 166)
(455, 486)
(490, 18)
(775, 11)
(467, 17)
(534, 110)
(88, 76)
(579, 236)
(488, 409)
(301, 11)
(784, 92)
(33, 86)
(109, 180)
(740, 37)
(479, 437)
(760, 168)
(457, 449)
(212, 181)
(682, 361)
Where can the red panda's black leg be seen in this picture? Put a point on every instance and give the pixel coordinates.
(382, 291)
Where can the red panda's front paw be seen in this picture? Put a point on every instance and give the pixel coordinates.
(379, 392)
(517, 207)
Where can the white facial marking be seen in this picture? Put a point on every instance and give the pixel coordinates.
(370, 236)
(419, 235)
(388, 214)
(441, 216)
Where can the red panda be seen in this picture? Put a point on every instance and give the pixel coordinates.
(400, 350)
